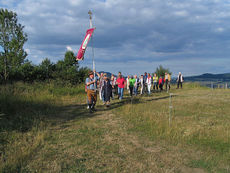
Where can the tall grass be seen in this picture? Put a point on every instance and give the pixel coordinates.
(200, 119)
(26, 112)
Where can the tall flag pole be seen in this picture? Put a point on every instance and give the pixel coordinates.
(91, 26)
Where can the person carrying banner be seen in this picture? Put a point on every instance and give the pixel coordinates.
(91, 83)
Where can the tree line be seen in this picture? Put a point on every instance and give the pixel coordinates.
(15, 67)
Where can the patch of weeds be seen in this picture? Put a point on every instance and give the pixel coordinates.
(201, 164)
(77, 166)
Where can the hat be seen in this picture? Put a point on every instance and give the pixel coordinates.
(90, 73)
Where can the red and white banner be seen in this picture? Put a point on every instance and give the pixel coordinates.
(81, 52)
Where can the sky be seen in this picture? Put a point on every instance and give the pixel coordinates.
(131, 36)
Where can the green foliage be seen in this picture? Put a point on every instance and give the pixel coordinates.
(27, 71)
(45, 70)
(12, 40)
(160, 71)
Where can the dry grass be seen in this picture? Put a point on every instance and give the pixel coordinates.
(132, 136)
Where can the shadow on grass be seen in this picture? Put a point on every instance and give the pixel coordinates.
(20, 114)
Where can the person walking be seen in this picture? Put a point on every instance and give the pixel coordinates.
(142, 83)
(145, 85)
(91, 84)
(155, 82)
(136, 85)
(131, 85)
(169, 81)
(180, 80)
(149, 83)
(101, 81)
(114, 86)
(107, 90)
(166, 81)
(121, 84)
(161, 83)
(127, 83)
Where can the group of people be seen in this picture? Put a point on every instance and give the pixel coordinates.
(109, 87)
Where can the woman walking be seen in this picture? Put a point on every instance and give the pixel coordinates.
(149, 83)
(107, 90)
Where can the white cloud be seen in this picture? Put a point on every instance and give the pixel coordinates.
(68, 48)
(219, 29)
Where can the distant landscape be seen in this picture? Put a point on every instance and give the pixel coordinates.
(225, 77)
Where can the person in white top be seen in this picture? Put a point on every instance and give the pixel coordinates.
(127, 83)
(149, 83)
(180, 80)
(142, 83)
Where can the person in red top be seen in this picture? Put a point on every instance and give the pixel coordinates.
(161, 83)
(121, 84)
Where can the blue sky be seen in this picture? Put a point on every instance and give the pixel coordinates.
(131, 36)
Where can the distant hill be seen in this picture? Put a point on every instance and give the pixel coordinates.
(209, 77)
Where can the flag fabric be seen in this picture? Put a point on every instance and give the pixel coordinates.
(81, 52)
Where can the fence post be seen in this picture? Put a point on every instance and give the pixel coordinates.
(170, 108)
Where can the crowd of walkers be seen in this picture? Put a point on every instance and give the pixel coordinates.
(110, 87)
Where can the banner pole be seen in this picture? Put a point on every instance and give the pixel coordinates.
(91, 26)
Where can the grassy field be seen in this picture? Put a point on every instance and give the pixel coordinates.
(45, 128)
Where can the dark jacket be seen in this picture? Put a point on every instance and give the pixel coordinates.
(107, 90)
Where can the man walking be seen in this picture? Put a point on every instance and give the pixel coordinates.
(145, 85)
(131, 85)
(180, 80)
(91, 84)
(166, 81)
(136, 85)
(121, 84)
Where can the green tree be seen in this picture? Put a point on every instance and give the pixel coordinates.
(160, 71)
(12, 40)
(45, 70)
(70, 59)
(27, 71)
(67, 70)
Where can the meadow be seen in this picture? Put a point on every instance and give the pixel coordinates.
(47, 128)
